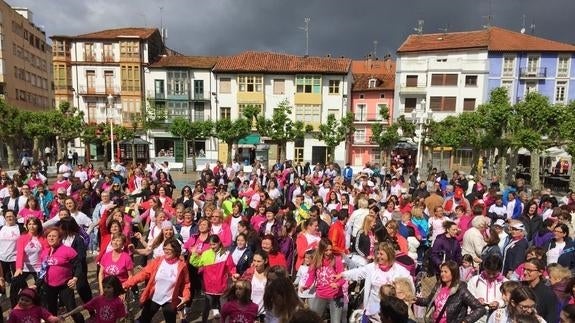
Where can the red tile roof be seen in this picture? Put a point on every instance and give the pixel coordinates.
(267, 62)
(203, 62)
(492, 39)
(364, 70)
(141, 33)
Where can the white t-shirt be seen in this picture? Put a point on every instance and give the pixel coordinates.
(166, 277)
(258, 287)
(8, 237)
(554, 253)
(234, 226)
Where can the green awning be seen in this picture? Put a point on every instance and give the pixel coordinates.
(252, 139)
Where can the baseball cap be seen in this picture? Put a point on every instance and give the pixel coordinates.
(499, 223)
(518, 226)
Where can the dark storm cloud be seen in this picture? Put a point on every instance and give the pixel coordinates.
(337, 27)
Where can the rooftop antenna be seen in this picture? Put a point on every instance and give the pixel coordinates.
(306, 29)
(375, 49)
(419, 28)
(444, 29)
(532, 27)
(523, 25)
(489, 17)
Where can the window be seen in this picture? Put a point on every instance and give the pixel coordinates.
(159, 89)
(199, 111)
(109, 81)
(108, 53)
(130, 49)
(89, 52)
(335, 112)
(442, 103)
(91, 81)
(532, 64)
(410, 104)
(381, 107)
(359, 136)
(225, 112)
(130, 77)
(178, 109)
(530, 87)
(372, 83)
(178, 83)
(411, 81)
(361, 96)
(382, 96)
(333, 86)
(199, 149)
(471, 80)
(279, 86)
(563, 66)
(199, 89)
(560, 91)
(93, 112)
(360, 112)
(225, 85)
(463, 157)
(468, 104)
(60, 77)
(508, 65)
(444, 79)
(249, 83)
(308, 84)
(441, 60)
(241, 108)
(308, 113)
(58, 48)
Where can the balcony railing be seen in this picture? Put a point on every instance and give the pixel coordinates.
(99, 90)
(533, 73)
(370, 117)
(419, 88)
(363, 140)
(200, 97)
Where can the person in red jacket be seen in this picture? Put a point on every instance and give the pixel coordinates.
(164, 274)
(269, 245)
(336, 233)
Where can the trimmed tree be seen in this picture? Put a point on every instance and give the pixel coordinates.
(335, 131)
(280, 129)
(231, 132)
(190, 131)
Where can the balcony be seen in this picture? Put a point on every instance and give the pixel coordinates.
(369, 118)
(160, 96)
(532, 73)
(363, 141)
(200, 97)
(109, 58)
(99, 90)
(89, 58)
(419, 88)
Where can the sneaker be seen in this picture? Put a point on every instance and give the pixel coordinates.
(216, 313)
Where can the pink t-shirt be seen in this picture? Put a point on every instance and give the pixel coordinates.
(440, 301)
(26, 213)
(59, 265)
(234, 312)
(106, 309)
(119, 268)
(31, 315)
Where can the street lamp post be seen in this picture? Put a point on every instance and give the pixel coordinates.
(109, 115)
(420, 116)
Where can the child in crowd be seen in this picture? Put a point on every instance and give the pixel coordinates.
(501, 314)
(28, 309)
(466, 270)
(239, 308)
(107, 307)
(301, 278)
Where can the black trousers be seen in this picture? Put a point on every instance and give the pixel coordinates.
(210, 302)
(19, 283)
(63, 293)
(149, 309)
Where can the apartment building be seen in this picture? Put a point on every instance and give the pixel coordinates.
(102, 74)
(25, 58)
(181, 86)
(372, 91)
(314, 86)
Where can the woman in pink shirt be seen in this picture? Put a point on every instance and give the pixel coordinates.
(28, 249)
(60, 272)
(116, 262)
(197, 243)
(31, 209)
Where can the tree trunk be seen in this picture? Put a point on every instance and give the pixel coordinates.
(194, 166)
(502, 164)
(330, 153)
(36, 148)
(281, 151)
(185, 155)
(572, 180)
(229, 161)
(133, 152)
(11, 156)
(58, 151)
(513, 167)
(534, 170)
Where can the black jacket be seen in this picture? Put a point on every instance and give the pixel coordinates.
(514, 255)
(532, 225)
(245, 260)
(459, 300)
(546, 302)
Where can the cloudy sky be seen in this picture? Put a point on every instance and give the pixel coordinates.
(337, 27)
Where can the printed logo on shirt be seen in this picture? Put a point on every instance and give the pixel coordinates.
(112, 270)
(106, 313)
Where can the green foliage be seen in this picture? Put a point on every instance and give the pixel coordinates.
(334, 131)
(407, 127)
(385, 137)
(532, 119)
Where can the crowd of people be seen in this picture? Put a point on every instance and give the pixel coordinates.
(286, 244)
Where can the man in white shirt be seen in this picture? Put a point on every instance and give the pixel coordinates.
(324, 190)
(64, 168)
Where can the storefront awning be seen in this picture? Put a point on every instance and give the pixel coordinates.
(252, 139)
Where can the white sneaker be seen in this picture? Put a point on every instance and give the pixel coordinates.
(214, 314)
